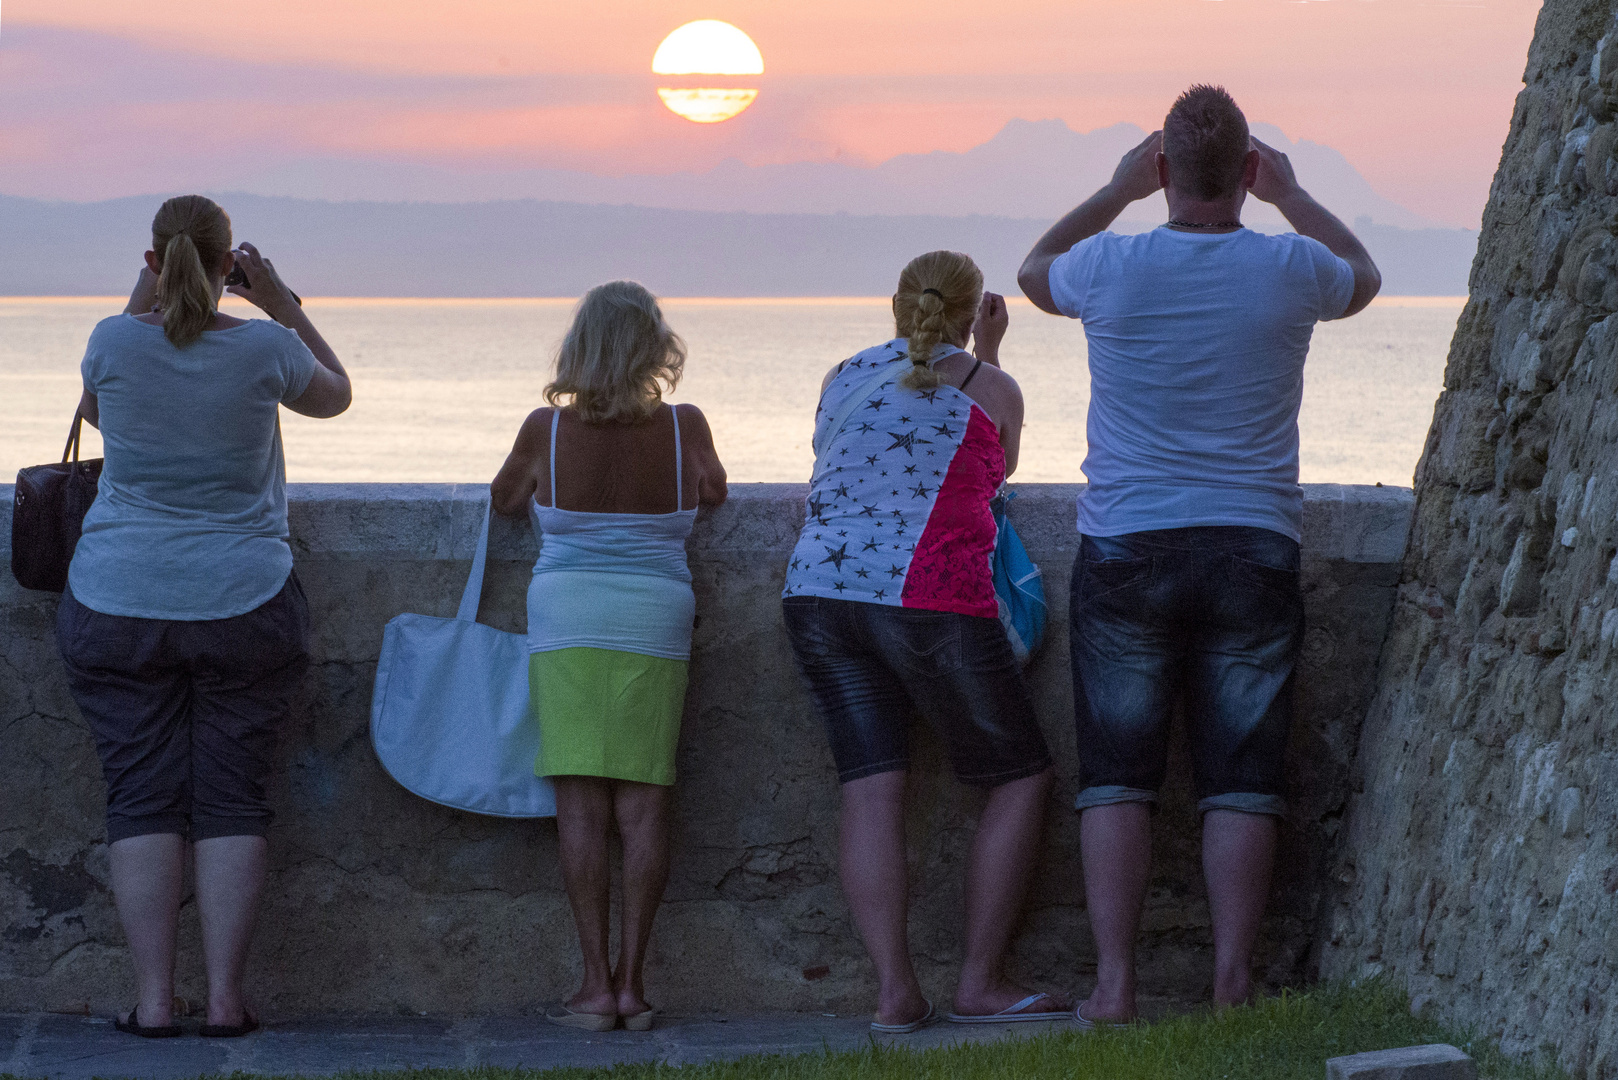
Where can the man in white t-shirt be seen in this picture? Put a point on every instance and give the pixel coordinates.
(1186, 584)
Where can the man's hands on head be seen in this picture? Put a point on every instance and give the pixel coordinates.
(1136, 178)
(1275, 182)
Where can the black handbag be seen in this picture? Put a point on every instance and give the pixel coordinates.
(48, 515)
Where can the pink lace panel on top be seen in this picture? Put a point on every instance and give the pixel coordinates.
(950, 569)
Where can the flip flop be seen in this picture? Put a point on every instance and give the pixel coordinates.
(641, 1021)
(1088, 1024)
(562, 1016)
(132, 1026)
(248, 1025)
(1014, 1014)
(928, 1017)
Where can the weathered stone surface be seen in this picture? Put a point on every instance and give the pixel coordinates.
(1435, 1061)
(381, 902)
(1480, 863)
(88, 1048)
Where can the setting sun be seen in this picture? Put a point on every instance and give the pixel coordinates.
(707, 48)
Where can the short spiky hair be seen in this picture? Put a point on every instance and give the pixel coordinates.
(1205, 140)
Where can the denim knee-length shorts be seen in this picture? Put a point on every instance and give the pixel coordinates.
(871, 667)
(1212, 616)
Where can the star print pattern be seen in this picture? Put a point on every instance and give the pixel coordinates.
(863, 530)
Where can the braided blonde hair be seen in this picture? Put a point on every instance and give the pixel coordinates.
(937, 292)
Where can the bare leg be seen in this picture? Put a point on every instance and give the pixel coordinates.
(1238, 856)
(1003, 852)
(871, 862)
(1117, 844)
(148, 874)
(583, 817)
(642, 811)
(230, 880)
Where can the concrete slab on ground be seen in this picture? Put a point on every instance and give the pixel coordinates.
(1434, 1061)
(82, 1047)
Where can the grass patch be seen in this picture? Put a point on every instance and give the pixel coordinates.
(1282, 1038)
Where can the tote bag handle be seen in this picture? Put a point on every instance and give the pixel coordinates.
(473, 594)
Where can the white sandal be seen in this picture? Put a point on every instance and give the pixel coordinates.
(1013, 1014)
(562, 1016)
(928, 1017)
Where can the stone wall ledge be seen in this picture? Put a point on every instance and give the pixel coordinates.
(1353, 523)
(381, 902)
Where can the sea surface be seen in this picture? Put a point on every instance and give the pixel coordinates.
(441, 386)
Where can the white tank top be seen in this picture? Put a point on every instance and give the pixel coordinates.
(612, 581)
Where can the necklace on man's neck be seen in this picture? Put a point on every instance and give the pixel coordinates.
(1178, 224)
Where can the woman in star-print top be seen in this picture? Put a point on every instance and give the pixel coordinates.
(890, 606)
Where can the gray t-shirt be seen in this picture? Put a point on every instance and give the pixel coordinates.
(190, 519)
(1197, 343)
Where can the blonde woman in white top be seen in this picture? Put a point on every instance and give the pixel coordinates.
(612, 479)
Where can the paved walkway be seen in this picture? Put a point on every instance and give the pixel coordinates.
(80, 1047)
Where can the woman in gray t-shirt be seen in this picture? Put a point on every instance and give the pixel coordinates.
(183, 627)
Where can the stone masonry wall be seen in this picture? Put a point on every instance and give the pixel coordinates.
(1480, 865)
(382, 902)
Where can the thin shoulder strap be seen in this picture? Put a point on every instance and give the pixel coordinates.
(969, 375)
(854, 400)
(679, 462)
(556, 417)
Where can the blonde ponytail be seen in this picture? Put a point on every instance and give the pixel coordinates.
(938, 291)
(189, 235)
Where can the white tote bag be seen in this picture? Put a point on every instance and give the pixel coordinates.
(449, 713)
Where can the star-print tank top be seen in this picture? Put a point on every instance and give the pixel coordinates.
(898, 509)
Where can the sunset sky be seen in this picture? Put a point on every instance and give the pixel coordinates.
(100, 98)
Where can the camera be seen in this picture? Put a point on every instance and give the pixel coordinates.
(238, 277)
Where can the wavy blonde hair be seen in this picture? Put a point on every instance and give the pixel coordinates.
(619, 357)
(937, 292)
(190, 235)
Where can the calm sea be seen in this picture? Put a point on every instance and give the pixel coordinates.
(441, 386)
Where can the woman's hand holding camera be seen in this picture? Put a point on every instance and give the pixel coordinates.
(262, 286)
(989, 327)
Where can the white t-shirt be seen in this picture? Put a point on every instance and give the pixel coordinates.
(190, 518)
(1197, 344)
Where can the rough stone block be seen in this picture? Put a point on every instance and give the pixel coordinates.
(1436, 1061)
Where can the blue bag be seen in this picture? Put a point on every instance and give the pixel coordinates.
(1018, 585)
(449, 714)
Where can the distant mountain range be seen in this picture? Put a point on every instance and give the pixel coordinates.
(530, 248)
(1030, 169)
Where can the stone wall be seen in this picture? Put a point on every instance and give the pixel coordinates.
(382, 902)
(1481, 859)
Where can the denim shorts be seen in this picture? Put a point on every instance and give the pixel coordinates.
(1211, 616)
(185, 714)
(870, 667)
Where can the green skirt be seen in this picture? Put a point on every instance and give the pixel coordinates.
(607, 713)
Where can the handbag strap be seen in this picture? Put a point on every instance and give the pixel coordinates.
(73, 435)
(474, 581)
(854, 401)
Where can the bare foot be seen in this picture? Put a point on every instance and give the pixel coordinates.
(906, 1010)
(1099, 1010)
(631, 1002)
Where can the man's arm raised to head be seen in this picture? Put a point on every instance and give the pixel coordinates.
(1135, 178)
(1276, 183)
